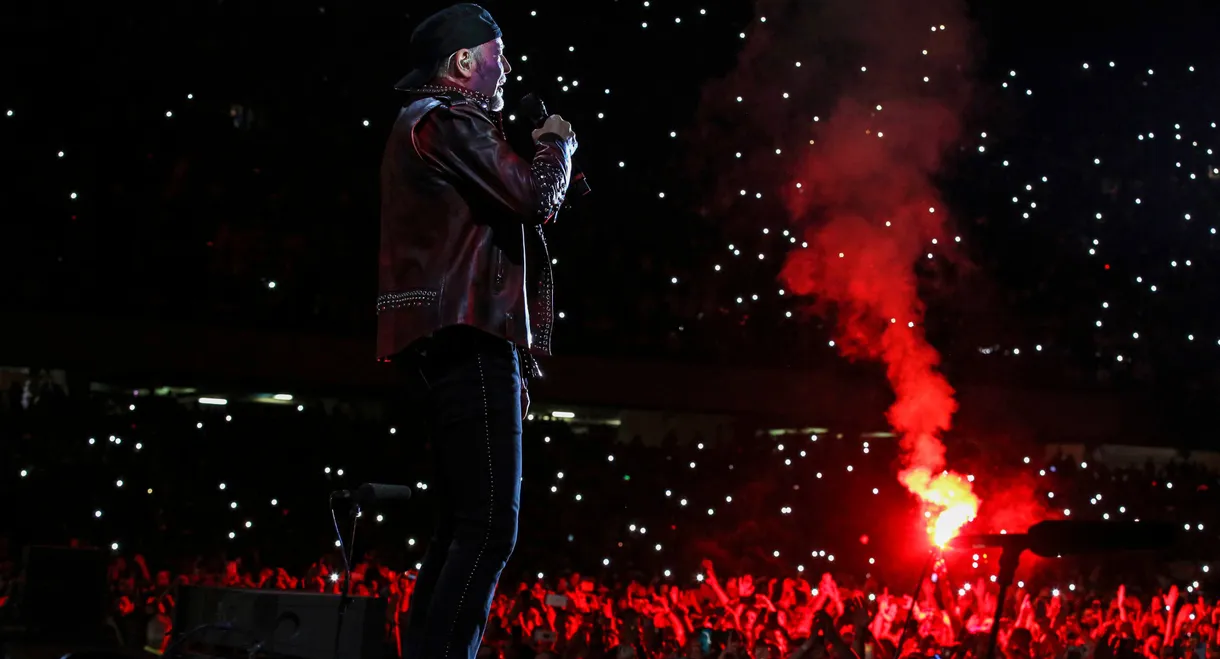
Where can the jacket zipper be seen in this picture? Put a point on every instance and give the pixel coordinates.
(499, 270)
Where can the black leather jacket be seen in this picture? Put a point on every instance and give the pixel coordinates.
(461, 224)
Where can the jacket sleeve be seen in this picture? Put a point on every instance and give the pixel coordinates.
(464, 144)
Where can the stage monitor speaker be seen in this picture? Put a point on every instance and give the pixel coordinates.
(284, 623)
(65, 592)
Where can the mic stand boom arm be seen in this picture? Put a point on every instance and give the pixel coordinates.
(345, 598)
(1010, 558)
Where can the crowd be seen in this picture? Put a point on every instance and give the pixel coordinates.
(748, 616)
(750, 546)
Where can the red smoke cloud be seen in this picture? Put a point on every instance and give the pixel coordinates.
(877, 96)
(865, 202)
(868, 212)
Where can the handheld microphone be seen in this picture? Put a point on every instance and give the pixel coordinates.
(535, 111)
(374, 492)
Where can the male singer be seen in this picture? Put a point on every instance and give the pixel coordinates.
(464, 302)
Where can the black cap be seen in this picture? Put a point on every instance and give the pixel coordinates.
(464, 25)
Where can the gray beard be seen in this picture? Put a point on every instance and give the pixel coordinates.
(497, 101)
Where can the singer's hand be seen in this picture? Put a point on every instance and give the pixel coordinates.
(556, 125)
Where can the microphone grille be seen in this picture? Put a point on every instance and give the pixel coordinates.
(533, 107)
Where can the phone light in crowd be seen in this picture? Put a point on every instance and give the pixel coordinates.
(1055, 592)
(97, 513)
(667, 573)
(114, 546)
(232, 535)
(658, 546)
(605, 561)
(212, 401)
(1020, 584)
(334, 576)
(872, 597)
(539, 575)
(233, 505)
(699, 578)
(563, 415)
(249, 524)
(283, 397)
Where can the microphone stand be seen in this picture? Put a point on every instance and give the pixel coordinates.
(345, 598)
(1010, 558)
(915, 598)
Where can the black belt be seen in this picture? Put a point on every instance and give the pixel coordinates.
(433, 355)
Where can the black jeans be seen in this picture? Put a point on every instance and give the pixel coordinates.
(467, 386)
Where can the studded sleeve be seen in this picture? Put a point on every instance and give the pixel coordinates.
(465, 144)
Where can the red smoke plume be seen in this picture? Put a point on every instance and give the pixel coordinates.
(869, 212)
(871, 95)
